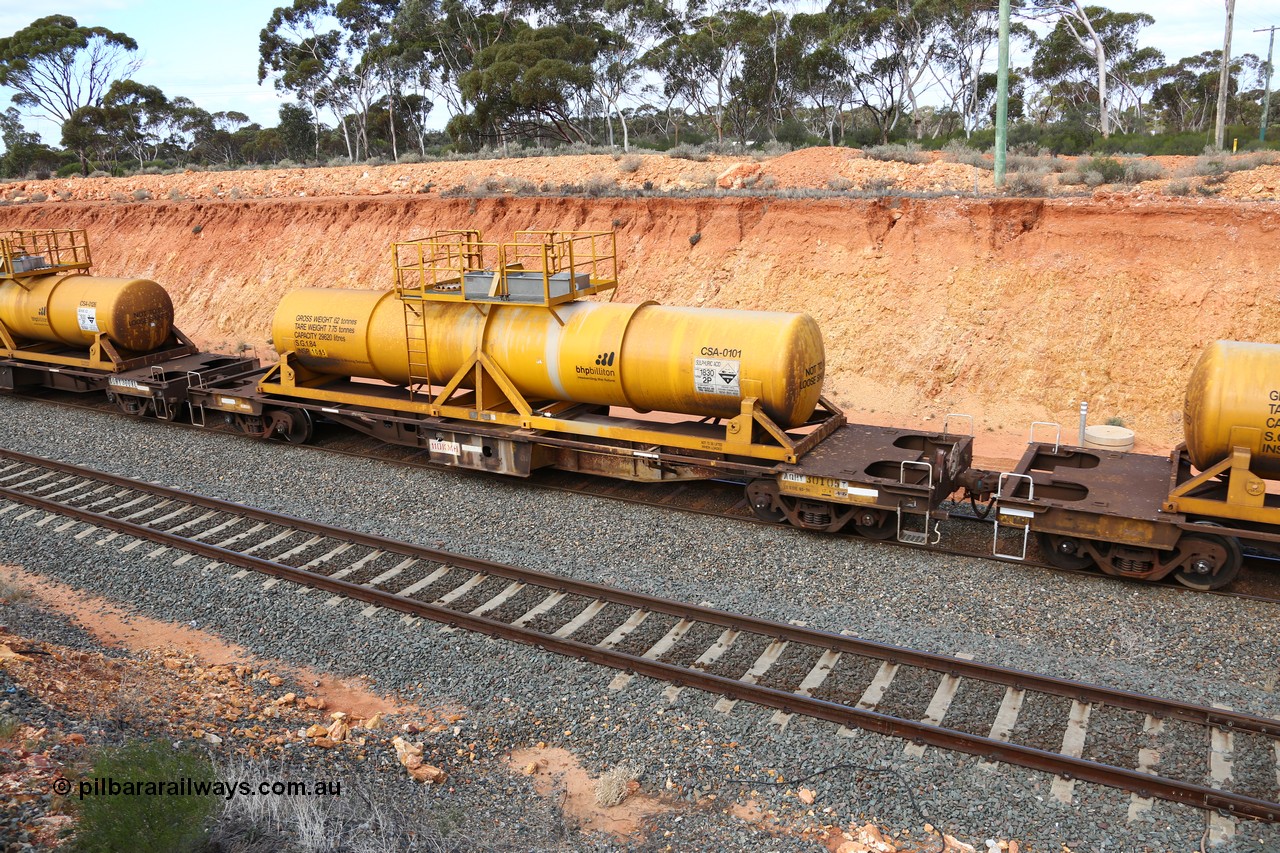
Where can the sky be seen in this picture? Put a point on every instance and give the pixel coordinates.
(208, 52)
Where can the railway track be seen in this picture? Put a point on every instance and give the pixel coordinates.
(973, 707)
(1258, 581)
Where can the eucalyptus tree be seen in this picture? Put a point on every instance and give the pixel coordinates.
(85, 134)
(55, 66)
(701, 57)
(365, 68)
(437, 42)
(139, 115)
(817, 72)
(1186, 93)
(1085, 49)
(23, 149)
(527, 85)
(762, 89)
(301, 53)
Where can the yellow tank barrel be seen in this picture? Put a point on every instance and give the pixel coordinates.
(134, 313)
(646, 357)
(1233, 399)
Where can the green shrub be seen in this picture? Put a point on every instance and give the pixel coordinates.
(517, 186)
(1031, 164)
(1025, 184)
(1110, 169)
(141, 195)
(146, 823)
(695, 153)
(598, 185)
(1210, 165)
(1137, 170)
(1177, 188)
(909, 153)
(970, 156)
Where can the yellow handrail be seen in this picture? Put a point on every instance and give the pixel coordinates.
(30, 252)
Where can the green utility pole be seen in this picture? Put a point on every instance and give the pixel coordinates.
(1266, 92)
(1002, 94)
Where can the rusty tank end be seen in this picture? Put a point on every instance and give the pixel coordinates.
(1233, 399)
(645, 357)
(134, 313)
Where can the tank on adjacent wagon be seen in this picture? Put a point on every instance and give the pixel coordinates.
(47, 296)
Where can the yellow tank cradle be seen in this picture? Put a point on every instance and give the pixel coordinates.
(29, 253)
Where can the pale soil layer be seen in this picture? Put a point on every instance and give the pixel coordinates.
(1012, 310)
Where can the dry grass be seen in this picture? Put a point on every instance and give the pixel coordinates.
(613, 786)
(11, 593)
(366, 818)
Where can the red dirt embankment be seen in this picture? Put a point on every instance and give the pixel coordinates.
(1013, 310)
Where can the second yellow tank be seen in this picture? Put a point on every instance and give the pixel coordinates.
(645, 356)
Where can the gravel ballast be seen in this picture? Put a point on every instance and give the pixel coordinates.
(1197, 648)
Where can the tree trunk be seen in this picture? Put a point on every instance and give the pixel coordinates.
(391, 117)
(1105, 117)
(315, 116)
(1100, 55)
(346, 137)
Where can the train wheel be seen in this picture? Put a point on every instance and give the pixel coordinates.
(292, 425)
(762, 496)
(130, 405)
(873, 524)
(1065, 552)
(1213, 561)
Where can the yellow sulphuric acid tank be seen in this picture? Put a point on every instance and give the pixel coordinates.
(646, 357)
(1234, 385)
(134, 313)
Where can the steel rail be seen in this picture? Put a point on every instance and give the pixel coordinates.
(1186, 793)
(1009, 677)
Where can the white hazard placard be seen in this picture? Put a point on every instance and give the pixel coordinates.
(716, 376)
(87, 317)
